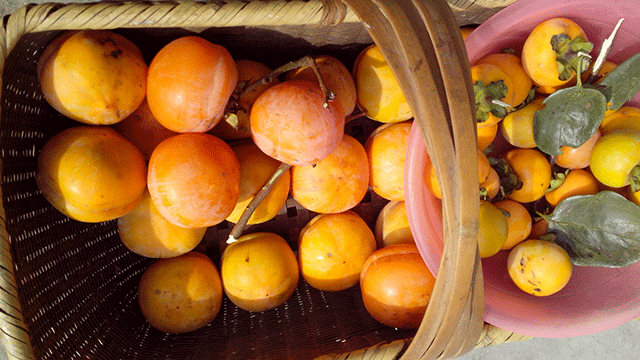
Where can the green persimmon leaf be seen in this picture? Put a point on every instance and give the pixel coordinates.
(623, 82)
(597, 230)
(570, 116)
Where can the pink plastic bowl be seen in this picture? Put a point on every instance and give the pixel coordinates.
(595, 299)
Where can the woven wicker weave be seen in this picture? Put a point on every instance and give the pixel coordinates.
(69, 288)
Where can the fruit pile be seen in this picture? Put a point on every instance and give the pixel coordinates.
(196, 137)
(558, 157)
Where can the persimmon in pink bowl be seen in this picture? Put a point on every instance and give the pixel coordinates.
(596, 298)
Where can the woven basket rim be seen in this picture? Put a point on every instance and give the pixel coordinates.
(186, 14)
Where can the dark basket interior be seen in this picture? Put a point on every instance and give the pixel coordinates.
(78, 284)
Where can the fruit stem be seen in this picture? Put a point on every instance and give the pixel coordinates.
(239, 227)
(328, 95)
(580, 66)
(501, 103)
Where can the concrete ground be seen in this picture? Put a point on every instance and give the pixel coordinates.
(620, 343)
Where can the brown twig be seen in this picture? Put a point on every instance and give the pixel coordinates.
(239, 227)
(604, 52)
(243, 88)
(306, 61)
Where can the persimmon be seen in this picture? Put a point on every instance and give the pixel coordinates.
(486, 135)
(336, 183)
(615, 157)
(517, 126)
(249, 71)
(484, 167)
(259, 271)
(194, 179)
(519, 222)
(396, 286)
(546, 54)
(624, 190)
(548, 90)
(493, 229)
(491, 83)
(578, 158)
(627, 117)
(466, 30)
(289, 122)
(386, 149)
(143, 130)
(332, 248)
(573, 182)
(431, 179)
(379, 95)
(255, 170)
(189, 84)
(180, 294)
(488, 178)
(147, 233)
(91, 173)
(96, 77)
(606, 68)
(392, 225)
(539, 267)
(512, 66)
(539, 228)
(491, 187)
(336, 77)
(533, 169)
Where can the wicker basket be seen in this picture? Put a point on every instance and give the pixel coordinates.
(69, 288)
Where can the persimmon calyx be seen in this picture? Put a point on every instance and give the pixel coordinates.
(634, 178)
(484, 193)
(232, 119)
(509, 181)
(557, 180)
(233, 105)
(568, 54)
(485, 95)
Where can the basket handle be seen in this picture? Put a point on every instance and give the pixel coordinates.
(423, 46)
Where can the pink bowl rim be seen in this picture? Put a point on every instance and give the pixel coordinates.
(506, 21)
